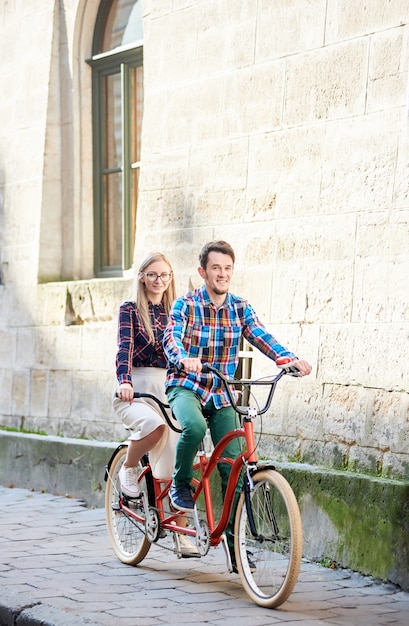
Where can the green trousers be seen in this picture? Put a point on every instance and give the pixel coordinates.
(188, 410)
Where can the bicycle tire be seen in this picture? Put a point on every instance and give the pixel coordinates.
(277, 552)
(127, 536)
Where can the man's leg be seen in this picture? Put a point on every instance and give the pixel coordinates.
(187, 409)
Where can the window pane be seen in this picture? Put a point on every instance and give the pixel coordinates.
(136, 112)
(134, 202)
(112, 219)
(112, 152)
(117, 132)
(123, 26)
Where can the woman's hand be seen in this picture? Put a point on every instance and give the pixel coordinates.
(125, 392)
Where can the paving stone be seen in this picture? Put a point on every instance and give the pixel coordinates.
(57, 568)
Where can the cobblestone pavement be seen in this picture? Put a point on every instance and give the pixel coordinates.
(57, 568)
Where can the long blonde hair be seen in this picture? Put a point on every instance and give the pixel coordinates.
(141, 298)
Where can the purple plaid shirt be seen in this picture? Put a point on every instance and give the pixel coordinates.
(134, 349)
(196, 328)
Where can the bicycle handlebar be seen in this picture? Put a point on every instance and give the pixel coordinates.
(284, 363)
(162, 407)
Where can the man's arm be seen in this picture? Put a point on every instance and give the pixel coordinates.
(256, 334)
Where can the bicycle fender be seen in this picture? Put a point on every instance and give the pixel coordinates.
(108, 465)
(265, 464)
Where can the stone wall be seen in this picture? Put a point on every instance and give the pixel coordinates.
(281, 127)
(284, 129)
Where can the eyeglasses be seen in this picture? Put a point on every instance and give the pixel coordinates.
(152, 276)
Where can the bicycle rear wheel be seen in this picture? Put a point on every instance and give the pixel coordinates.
(276, 551)
(127, 535)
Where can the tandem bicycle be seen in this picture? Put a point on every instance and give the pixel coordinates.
(267, 523)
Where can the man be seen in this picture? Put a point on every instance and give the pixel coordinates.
(205, 326)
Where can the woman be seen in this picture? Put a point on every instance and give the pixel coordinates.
(141, 366)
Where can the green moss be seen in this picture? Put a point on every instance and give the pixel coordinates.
(370, 515)
(27, 431)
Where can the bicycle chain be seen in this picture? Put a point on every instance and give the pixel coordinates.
(167, 531)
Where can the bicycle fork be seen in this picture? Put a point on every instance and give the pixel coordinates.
(248, 489)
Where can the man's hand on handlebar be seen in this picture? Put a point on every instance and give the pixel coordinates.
(302, 366)
(295, 367)
(192, 365)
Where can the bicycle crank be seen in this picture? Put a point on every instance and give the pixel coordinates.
(202, 534)
(152, 525)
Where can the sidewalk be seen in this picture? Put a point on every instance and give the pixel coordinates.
(57, 569)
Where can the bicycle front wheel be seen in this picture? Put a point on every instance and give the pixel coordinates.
(126, 534)
(269, 554)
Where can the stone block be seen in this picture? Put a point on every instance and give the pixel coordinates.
(20, 393)
(174, 61)
(358, 163)
(381, 288)
(8, 340)
(370, 355)
(6, 384)
(26, 339)
(59, 396)
(287, 30)
(68, 341)
(252, 99)
(163, 171)
(39, 393)
(237, 21)
(326, 84)
(308, 252)
(51, 304)
(168, 209)
(348, 20)
(98, 348)
(284, 174)
(388, 69)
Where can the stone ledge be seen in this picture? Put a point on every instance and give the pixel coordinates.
(356, 521)
(62, 466)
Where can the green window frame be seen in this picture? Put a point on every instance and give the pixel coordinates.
(117, 96)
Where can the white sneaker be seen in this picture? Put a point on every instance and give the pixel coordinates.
(128, 477)
(187, 548)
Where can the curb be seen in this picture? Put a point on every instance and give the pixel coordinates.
(17, 611)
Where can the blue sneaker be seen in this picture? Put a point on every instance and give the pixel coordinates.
(181, 497)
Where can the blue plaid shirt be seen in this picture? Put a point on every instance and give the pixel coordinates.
(197, 328)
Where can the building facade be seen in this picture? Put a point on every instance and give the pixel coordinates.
(281, 127)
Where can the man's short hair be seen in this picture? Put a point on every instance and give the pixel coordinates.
(215, 246)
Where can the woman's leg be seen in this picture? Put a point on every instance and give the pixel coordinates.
(138, 447)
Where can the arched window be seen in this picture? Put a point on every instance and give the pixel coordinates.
(117, 65)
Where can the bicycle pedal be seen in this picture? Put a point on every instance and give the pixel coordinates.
(190, 556)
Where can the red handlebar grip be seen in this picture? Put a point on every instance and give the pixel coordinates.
(283, 360)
